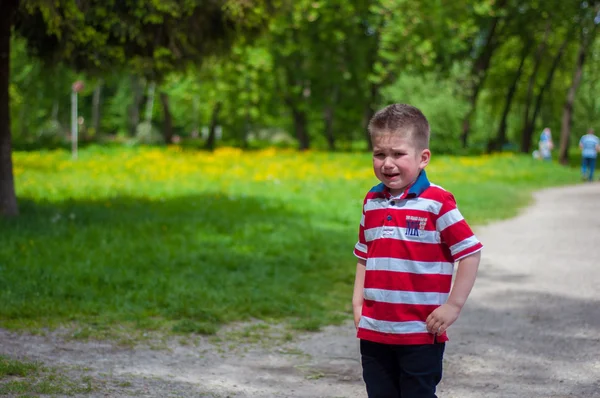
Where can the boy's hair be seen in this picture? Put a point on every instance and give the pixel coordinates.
(402, 119)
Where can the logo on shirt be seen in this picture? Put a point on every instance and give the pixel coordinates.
(415, 224)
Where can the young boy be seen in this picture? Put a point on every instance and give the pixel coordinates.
(411, 234)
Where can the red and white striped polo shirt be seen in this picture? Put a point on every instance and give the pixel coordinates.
(410, 244)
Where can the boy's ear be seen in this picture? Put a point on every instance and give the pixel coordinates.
(425, 157)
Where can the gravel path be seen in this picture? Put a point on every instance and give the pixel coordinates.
(530, 329)
(532, 324)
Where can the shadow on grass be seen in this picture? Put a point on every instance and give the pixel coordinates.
(205, 259)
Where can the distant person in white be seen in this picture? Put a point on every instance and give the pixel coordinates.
(589, 145)
(546, 145)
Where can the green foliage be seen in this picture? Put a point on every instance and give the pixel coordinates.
(409, 44)
(436, 97)
(39, 98)
(587, 107)
(151, 37)
(318, 68)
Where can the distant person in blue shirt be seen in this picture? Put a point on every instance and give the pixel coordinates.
(590, 145)
(546, 145)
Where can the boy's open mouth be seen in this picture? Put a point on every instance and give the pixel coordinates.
(388, 175)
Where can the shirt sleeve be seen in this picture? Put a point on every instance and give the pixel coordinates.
(454, 231)
(360, 249)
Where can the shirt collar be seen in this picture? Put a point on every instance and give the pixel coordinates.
(414, 190)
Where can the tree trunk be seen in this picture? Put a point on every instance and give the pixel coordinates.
(497, 143)
(300, 127)
(96, 111)
(527, 127)
(367, 116)
(546, 86)
(150, 101)
(591, 97)
(8, 198)
(196, 117)
(479, 73)
(134, 108)
(168, 127)
(300, 123)
(567, 117)
(55, 109)
(372, 94)
(369, 112)
(246, 130)
(328, 116)
(212, 132)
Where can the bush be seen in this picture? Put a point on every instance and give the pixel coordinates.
(147, 134)
(437, 99)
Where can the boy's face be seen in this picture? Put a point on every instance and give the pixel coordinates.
(396, 161)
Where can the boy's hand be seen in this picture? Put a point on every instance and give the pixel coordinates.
(441, 318)
(445, 315)
(357, 314)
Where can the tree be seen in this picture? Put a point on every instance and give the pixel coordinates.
(528, 131)
(484, 47)
(412, 38)
(8, 199)
(538, 58)
(558, 27)
(589, 26)
(153, 38)
(499, 141)
(535, 37)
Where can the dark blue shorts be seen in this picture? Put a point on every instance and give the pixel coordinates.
(401, 371)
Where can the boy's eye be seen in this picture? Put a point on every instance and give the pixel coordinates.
(398, 154)
(378, 155)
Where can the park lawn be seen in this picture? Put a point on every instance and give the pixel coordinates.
(171, 239)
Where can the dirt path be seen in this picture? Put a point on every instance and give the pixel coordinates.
(531, 329)
(532, 325)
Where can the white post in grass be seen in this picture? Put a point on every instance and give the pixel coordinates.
(150, 101)
(76, 88)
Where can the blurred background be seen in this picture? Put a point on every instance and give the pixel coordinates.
(168, 167)
(489, 74)
(184, 164)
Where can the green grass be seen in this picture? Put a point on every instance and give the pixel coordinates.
(22, 378)
(135, 240)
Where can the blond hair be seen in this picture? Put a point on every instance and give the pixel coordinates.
(402, 119)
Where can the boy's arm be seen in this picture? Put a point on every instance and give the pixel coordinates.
(445, 315)
(357, 296)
